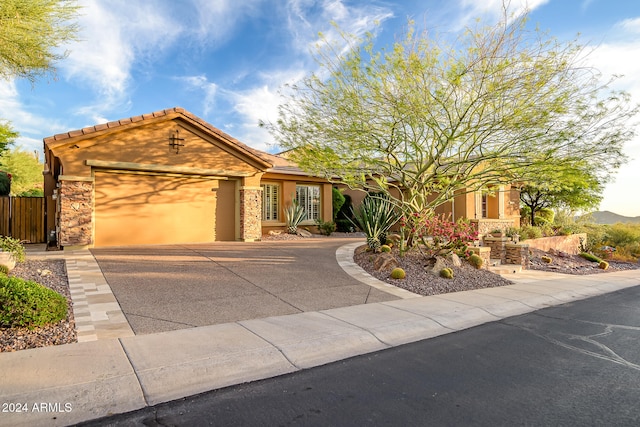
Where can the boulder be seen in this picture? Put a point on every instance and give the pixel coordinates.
(385, 262)
(454, 260)
(303, 233)
(439, 265)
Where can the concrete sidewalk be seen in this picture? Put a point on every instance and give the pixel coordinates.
(71, 383)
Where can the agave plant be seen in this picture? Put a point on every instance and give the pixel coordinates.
(294, 214)
(375, 216)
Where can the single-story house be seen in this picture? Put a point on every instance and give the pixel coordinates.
(169, 177)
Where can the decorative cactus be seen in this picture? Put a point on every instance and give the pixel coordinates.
(476, 260)
(446, 273)
(398, 273)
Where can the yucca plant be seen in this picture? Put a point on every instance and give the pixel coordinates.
(294, 214)
(375, 216)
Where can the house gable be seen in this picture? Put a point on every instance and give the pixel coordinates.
(162, 177)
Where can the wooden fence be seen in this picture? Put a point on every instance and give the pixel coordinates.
(23, 218)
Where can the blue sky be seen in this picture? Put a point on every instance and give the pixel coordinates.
(224, 60)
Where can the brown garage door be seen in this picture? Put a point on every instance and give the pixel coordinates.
(134, 209)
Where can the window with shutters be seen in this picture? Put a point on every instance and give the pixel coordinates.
(308, 196)
(270, 202)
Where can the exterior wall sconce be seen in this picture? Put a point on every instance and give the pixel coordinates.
(175, 142)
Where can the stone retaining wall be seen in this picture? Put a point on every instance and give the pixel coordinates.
(569, 244)
(507, 252)
(485, 254)
(517, 253)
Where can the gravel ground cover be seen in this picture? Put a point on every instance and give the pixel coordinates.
(52, 274)
(420, 280)
(574, 264)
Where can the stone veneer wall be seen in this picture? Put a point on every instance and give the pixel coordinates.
(569, 244)
(518, 253)
(485, 254)
(250, 214)
(76, 211)
(487, 225)
(498, 247)
(508, 252)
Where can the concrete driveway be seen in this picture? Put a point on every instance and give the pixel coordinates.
(162, 288)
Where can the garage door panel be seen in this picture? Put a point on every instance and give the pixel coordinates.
(153, 209)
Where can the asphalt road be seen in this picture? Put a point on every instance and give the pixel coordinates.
(575, 364)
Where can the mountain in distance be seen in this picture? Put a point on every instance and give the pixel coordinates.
(607, 217)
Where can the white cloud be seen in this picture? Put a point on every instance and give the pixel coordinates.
(305, 21)
(470, 10)
(612, 58)
(28, 124)
(208, 89)
(217, 20)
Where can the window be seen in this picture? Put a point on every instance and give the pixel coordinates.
(485, 206)
(308, 196)
(270, 200)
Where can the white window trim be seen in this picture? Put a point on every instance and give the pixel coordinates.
(272, 208)
(308, 204)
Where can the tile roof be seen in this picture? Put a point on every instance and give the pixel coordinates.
(157, 114)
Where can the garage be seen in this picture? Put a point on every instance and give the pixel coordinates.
(162, 178)
(134, 209)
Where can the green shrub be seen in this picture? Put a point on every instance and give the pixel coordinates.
(511, 231)
(13, 246)
(546, 259)
(385, 248)
(326, 227)
(528, 232)
(596, 236)
(446, 273)
(27, 303)
(622, 234)
(476, 260)
(398, 273)
(337, 198)
(4, 270)
(603, 265)
(547, 214)
(590, 257)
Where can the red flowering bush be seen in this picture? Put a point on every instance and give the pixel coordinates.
(437, 235)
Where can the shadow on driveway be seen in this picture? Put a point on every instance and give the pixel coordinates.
(162, 288)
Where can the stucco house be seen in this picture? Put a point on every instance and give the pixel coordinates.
(170, 177)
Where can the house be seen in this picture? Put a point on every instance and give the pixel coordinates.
(497, 208)
(165, 178)
(169, 177)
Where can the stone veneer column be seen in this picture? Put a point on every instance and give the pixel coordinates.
(518, 253)
(76, 212)
(485, 254)
(250, 214)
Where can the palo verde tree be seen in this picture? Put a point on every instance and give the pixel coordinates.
(500, 104)
(31, 35)
(568, 189)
